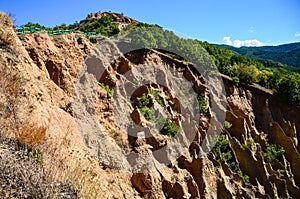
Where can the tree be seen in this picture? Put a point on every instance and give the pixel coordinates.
(289, 88)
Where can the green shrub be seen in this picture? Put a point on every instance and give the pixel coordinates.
(166, 126)
(103, 26)
(281, 172)
(248, 143)
(170, 128)
(227, 125)
(236, 81)
(93, 40)
(202, 104)
(245, 177)
(221, 149)
(158, 98)
(273, 152)
(143, 101)
(147, 113)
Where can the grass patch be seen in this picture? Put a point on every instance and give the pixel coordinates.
(109, 90)
(22, 176)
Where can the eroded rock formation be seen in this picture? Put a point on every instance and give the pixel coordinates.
(49, 67)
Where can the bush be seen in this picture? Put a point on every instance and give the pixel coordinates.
(103, 26)
(166, 126)
(93, 40)
(158, 98)
(147, 113)
(143, 101)
(236, 81)
(245, 177)
(281, 172)
(273, 152)
(170, 128)
(202, 104)
(248, 143)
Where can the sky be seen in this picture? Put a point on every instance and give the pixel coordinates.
(233, 22)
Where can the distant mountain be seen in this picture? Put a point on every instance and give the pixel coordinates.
(288, 54)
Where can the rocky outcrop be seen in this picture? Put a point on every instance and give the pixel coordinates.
(120, 20)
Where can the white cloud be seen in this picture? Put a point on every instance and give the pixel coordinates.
(297, 34)
(227, 40)
(248, 43)
(238, 43)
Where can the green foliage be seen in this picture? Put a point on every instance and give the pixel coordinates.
(170, 128)
(147, 113)
(143, 25)
(34, 154)
(245, 177)
(103, 26)
(202, 104)
(247, 73)
(289, 88)
(281, 172)
(61, 27)
(109, 90)
(236, 81)
(93, 40)
(272, 56)
(30, 24)
(227, 125)
(273, 152)
(246, 70)
(158, 98)
(222, 148)
(248, 143)
(143, 101)
(156, 37)
(222, 151)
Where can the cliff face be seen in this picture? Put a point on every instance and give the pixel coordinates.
(39, 76)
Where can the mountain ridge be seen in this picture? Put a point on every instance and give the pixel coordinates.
(288, 54)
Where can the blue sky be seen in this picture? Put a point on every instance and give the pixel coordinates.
(235, 22)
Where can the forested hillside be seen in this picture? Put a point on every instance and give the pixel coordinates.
(287, 54)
